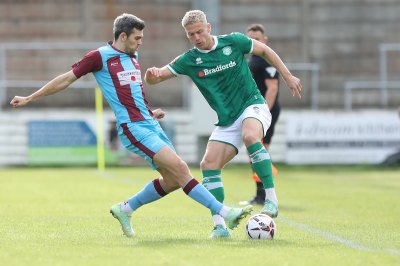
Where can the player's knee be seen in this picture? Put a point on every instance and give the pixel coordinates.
(205, 164)
(180, 169)
(208, 164)
(249, 139)
(180, 173)
(182, 166)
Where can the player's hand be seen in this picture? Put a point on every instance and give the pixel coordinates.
(18, 101)
(152, 75)
(158, 113)
(294, 85)
(153, 72)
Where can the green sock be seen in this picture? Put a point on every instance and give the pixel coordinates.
(261, 163)
(213, 182)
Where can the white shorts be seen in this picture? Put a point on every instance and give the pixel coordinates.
(233, 134)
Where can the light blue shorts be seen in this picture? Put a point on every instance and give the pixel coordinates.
(144, 138)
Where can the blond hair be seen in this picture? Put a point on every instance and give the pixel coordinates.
(193, 16)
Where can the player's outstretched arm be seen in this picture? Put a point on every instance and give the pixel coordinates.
(156, 75)
(271, 57)
(55, 85)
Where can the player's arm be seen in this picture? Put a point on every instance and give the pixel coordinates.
(156, 75)
(55, 85)
(271, 57)
(272, 92)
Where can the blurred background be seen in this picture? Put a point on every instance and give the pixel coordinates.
(347, 54)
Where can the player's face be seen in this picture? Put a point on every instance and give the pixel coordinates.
(257, 35)
(199, 35)
(133, 41)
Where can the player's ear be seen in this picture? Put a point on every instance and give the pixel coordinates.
(123, 36)
(208, 27)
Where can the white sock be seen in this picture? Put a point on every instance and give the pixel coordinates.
(224, 211)
(218, 220)
(271, 195)
(125, 207)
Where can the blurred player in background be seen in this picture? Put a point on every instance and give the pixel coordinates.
(267, 80)
(218, 67)
(116, 69)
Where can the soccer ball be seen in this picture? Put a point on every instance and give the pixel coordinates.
(260, 226)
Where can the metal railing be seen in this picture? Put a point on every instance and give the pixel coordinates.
(314, 69)
(384, 48)
(349, 86)
(5, 83)
(383, 84)
(4, 47)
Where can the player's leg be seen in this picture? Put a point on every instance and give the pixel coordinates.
(223, 145)
(275, 112)
(156, 149)
(259, 198)
(122, 211)
(178, 170)
(216, 156)
(256, 121)
(143, 139)
(169, 181)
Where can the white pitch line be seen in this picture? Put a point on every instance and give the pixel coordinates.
(338, 239)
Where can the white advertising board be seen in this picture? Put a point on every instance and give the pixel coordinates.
(342, 138)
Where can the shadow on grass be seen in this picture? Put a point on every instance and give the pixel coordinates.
(176, 242)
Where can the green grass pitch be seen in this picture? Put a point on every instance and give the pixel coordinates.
(328, 216)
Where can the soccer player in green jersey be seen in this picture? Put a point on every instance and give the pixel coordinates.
(218, 67)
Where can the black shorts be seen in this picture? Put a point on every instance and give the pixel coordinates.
(275, 111)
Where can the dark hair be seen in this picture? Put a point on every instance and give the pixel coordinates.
(256, 27)
(126, 23)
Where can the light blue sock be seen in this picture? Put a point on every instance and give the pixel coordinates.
(200, 194)
(151, 192)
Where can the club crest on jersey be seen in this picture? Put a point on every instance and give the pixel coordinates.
(128, 76)
(199, 61)
(227, 50)
(256, 109)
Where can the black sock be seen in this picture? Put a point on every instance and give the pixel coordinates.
(260, 191)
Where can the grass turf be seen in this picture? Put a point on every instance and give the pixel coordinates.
(328, 215)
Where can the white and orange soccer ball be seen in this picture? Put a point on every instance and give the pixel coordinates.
(260, 226)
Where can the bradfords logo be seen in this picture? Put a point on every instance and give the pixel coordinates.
(217, 69)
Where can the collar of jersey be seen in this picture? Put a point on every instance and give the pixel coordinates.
(110, 43)
(212, 48)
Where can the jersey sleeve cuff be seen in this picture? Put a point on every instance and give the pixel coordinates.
(172, 70)
(252, 46)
